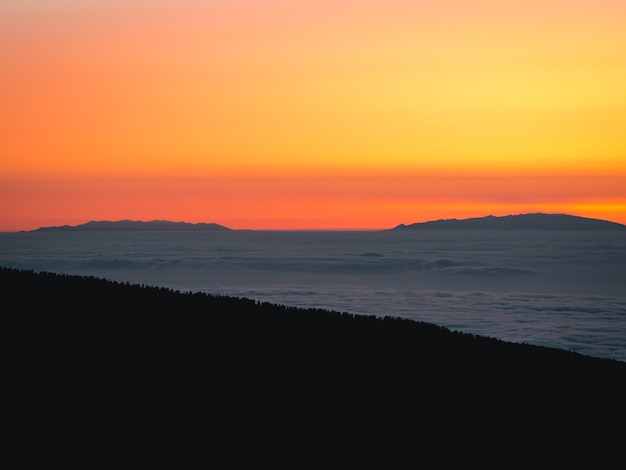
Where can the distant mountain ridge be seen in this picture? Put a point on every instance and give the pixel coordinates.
(135, 225)
(538, 221)
(535, 221)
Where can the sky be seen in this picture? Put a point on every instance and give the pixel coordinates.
(310, 114)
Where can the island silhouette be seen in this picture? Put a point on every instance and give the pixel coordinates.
(535, 221)
(136, 225)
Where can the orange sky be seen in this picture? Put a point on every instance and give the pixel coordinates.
(295, 114)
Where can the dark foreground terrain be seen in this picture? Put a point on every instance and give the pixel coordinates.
(126, 363)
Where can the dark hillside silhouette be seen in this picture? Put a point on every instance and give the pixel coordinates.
(517, 222)
(138, 363)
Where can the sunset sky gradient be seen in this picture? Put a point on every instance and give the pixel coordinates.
(310, 114)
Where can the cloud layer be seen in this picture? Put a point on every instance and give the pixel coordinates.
(554, 289)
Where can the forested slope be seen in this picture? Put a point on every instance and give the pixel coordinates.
(82, 348)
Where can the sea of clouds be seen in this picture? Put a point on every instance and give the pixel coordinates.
(560, 289)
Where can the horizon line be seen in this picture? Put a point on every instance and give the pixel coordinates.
(311, 229)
